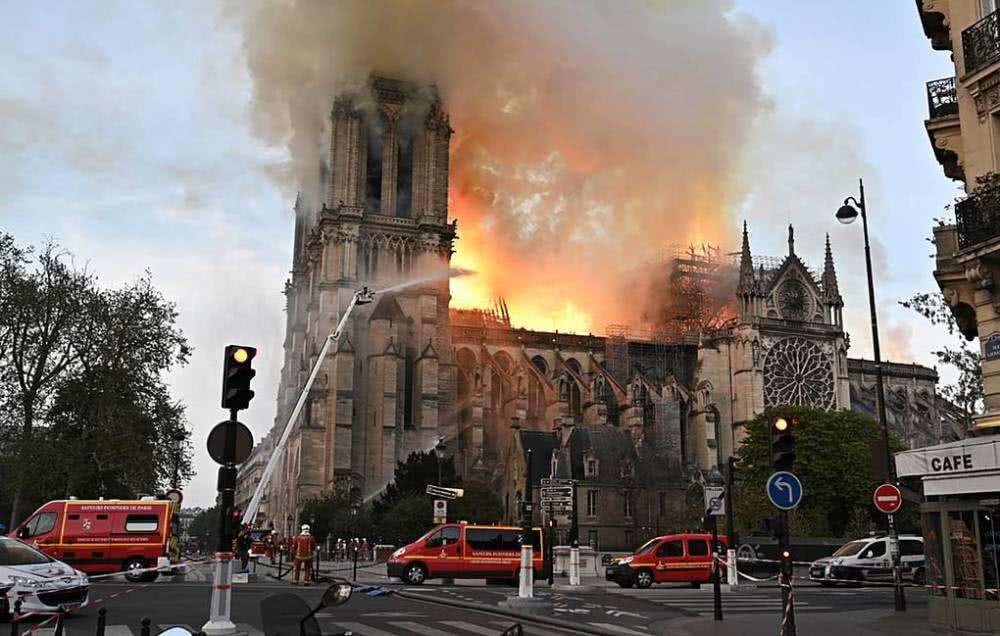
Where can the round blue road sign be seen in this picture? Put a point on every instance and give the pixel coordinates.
(784, 490)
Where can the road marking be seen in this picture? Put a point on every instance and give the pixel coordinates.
(117, 630)
(241, 627)
(617, 629)
(361, 628)
(469, 627)
(418, 628)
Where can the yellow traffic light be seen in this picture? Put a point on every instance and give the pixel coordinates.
(240, 355)
(786, 554)
(780, 424)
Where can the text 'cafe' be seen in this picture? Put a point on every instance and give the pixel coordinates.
(961, 488)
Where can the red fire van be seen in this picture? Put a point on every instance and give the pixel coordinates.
(99, 537)
(673, 558)
(465, 551)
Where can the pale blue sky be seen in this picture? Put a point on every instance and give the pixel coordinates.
(126, 137)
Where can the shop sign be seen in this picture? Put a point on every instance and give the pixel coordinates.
(991, 346)
(949, 460)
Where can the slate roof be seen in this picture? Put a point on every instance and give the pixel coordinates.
(541, 444)
(612, 447)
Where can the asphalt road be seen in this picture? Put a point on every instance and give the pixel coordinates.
(610, 609)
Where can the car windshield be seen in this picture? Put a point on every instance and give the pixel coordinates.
(850, 549)
(646, 547)
(16, 553)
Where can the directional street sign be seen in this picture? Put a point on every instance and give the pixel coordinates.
(715, 501)
(444, 493)
(888, 499)
(784, 490)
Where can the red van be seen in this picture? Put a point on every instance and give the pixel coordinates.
(99, 537)
(466, 551)
(673, 558)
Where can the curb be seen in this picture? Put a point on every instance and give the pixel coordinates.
(489, 609)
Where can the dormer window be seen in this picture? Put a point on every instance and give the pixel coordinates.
(628, 469)
(590, 466)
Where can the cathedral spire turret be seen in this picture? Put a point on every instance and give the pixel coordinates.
(831, 291)
(791, 240)
(746, 285)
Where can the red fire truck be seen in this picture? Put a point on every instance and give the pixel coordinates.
(99, 537)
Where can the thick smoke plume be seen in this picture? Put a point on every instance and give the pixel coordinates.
(589, 135)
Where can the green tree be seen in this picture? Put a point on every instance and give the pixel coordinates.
(412, 478)
(82, 386)
(834, 459)
(204, 528)
(966, 392)
(479, 504)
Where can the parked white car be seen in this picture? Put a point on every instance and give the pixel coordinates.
(869, 559)
(41, 583)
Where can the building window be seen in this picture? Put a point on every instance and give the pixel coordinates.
(373, 184)
(590, 467)
(409, 380)
(404, 171)
(592, 539)
(627, 508)
(629, 540)
(592, 503)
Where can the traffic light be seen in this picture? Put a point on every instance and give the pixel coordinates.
(236, 376)
(783, 442)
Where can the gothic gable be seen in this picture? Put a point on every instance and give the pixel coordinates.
(793, 293)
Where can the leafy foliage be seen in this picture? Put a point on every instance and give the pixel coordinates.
(204, 528)
(834, 458)
(412, 476)
(81, 382)
(967, 391)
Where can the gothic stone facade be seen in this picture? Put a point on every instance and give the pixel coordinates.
(408, 370)
(386, 389)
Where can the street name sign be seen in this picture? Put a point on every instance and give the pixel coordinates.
(444, 493)
(784, 490)
(888, 499)
(715, 501)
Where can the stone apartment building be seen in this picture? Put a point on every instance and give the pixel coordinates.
(633, 416)
(964, 129)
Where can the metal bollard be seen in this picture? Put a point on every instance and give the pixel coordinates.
(14, 617)
(102, 618)
(59, 623)
(355, 565)
(318, 564)
(574, 564)
(145, 627)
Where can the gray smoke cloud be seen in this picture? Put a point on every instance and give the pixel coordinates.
(589, 134)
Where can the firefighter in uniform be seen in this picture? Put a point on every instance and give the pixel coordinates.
(303, 546)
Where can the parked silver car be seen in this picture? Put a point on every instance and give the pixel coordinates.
(41, 583)
(869, 560)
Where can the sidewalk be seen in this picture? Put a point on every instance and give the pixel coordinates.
(876, 622)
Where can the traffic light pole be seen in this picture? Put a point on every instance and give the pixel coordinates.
(219, 622)
(785, 579)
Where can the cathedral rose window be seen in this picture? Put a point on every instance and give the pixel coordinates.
(798, 373)
(794, 300)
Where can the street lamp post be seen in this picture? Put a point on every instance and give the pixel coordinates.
(439, 452)
(847, 214)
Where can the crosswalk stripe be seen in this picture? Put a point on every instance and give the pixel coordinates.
(419, 629)
(618, 629)
(361, 628)
(117, 630)
(469, 627)
(246, 628)
(165, 626)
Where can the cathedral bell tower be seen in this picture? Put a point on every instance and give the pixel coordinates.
(382, 223)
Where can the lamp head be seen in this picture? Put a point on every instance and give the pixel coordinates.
(847, 214)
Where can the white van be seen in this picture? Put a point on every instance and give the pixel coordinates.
(869, 560)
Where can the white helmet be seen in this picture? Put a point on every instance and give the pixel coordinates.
(305, 528)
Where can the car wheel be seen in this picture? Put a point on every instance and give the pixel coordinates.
(133, 570)
(643, 579)
(920, 577)
(415, 574)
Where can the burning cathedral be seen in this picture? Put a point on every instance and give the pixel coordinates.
(635, 417)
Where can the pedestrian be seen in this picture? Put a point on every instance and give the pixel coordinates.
(364, 549)
(304, 545)
(243, 547)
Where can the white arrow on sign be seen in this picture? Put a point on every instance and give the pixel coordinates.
(784, 485)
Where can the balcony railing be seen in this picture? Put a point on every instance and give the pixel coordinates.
(942, 99)
(978, 217)
(981, 43)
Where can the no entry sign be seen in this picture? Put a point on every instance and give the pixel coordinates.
(888, 499)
